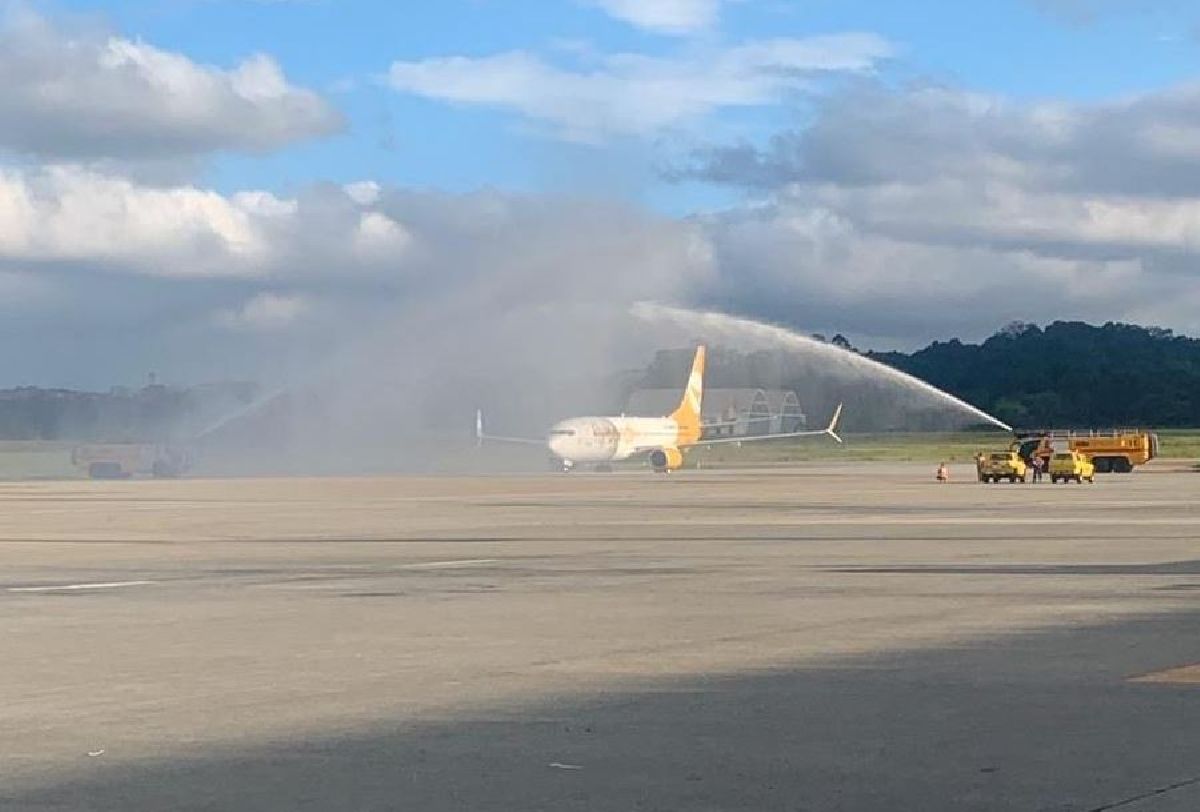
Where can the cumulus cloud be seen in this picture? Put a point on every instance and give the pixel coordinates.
(1118, 179)
(265, 311)
(922, 212)
(74, 93)
(65, 214)
(201, 280)
(1144, 145)
(71, 214)
(664, 16)
(632, 94)
(800, 263)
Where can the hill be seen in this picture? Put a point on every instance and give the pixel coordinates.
(1068, 374)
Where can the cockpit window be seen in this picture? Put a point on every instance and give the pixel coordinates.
(562, 432)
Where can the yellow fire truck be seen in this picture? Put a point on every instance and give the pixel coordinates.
(1116, 451)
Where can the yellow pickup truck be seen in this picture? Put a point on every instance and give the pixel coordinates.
(1066, 466)
(1002, 465)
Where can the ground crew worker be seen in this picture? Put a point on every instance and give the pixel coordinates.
(979, 465)
(943, 473)
(1037, 469)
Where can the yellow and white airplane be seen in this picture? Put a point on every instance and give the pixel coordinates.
(601, 441)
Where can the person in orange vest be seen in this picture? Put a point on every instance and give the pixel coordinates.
(943, 473)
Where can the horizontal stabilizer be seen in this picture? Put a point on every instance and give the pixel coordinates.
(832, 430)
(481, 436)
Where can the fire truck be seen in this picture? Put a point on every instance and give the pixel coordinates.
(1116, 451)
(124, 460)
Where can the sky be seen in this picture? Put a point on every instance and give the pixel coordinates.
(248, 188)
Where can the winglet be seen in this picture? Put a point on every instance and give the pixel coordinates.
(478, 427)
(832, 430)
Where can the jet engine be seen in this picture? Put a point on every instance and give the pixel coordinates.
(663, 460)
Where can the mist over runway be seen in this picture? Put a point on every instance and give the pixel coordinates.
(837, 636)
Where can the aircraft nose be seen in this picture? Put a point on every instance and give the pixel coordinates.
(557, 441)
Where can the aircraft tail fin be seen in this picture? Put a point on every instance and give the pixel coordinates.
(687, 416)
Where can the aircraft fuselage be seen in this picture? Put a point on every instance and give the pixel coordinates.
(610, 439)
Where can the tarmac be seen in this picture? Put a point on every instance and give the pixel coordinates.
(820, 637)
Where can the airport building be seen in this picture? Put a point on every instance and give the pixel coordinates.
(730, 412)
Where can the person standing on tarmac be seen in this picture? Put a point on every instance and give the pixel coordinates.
(1037, 468)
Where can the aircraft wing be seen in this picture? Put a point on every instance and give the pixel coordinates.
(481, 437)
(829, 431)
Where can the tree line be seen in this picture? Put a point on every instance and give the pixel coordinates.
(1068, 374)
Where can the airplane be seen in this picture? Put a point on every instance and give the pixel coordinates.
(601, 441)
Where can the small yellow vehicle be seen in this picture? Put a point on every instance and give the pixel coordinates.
(1002, 465)
(1066, 466)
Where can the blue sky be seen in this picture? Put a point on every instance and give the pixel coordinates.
(1016, 48)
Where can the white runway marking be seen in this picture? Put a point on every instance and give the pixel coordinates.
(74, 587)
(430, 565)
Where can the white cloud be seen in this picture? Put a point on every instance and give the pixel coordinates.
(105, 252)
(379, 236)
(364, 193)
(71, 93)
(71, 214)
(801, 262)
(484, 287)
(926, 212)
(1112, 180)
(632, 94)
(664, 16)
(265, 312)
